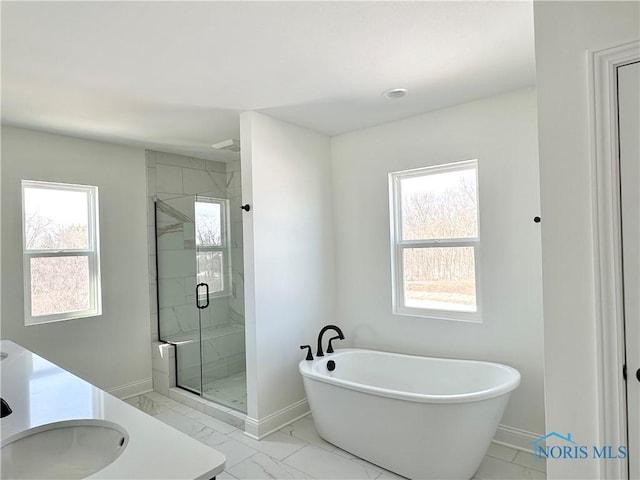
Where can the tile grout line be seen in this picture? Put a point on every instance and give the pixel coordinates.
(283, 462)
(528, 467)
(514, 462)
(295, 451)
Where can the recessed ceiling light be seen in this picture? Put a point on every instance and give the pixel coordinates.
(394, 93)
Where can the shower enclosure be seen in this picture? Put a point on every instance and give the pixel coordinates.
(200, 293)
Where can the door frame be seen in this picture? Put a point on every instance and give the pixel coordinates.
(607, 241)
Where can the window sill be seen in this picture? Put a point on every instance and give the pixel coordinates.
(44, 319)
(467, 317)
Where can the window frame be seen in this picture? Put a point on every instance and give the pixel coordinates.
(92, 252)
(398, 245)
(224, 248)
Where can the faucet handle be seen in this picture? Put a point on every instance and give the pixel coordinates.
(309, 354)
(330, 348)
(6, 409)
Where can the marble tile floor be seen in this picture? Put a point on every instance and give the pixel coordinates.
(230, 391)
(296, 451)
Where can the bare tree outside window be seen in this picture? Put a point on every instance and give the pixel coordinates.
(59, 284)
(440, 206)
(211, 243)
(208, 224)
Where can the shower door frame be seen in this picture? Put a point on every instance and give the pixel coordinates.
(203, 252)
(161, 337)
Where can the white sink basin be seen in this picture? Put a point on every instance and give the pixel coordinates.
(62, 450)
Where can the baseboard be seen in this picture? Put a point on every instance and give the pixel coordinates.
(515, 438)
(132, 389)
(259, 429)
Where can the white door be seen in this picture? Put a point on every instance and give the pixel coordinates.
(629, 128)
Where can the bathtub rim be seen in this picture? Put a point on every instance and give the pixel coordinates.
(306, 368)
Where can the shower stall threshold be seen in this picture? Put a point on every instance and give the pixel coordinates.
(225, 414)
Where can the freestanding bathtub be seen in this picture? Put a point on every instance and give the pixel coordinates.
(421, 417)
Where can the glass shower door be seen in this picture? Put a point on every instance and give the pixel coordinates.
(210, 273)
(222, 341)
(179, 319)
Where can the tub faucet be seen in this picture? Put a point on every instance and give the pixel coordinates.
(6, 410)
(309, 355)
(330, 347)
(324, 329)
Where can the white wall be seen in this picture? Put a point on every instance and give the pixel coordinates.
(501, 133)
(0, 237)
(288, 242)
(112, 350)
(565, 31)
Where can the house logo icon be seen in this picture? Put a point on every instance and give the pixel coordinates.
(540, 450)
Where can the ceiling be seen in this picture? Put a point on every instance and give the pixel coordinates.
(174, 76)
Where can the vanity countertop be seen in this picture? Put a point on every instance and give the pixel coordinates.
(39, 392)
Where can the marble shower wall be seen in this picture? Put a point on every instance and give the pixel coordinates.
(234, 189)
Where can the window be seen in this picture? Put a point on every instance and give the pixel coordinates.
(60, 251)
(435, 241)
(212, 244)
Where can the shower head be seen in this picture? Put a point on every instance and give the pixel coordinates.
(231, 145)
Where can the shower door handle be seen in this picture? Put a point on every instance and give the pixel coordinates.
(206, 292)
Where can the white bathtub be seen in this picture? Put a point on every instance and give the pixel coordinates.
(421, 417)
